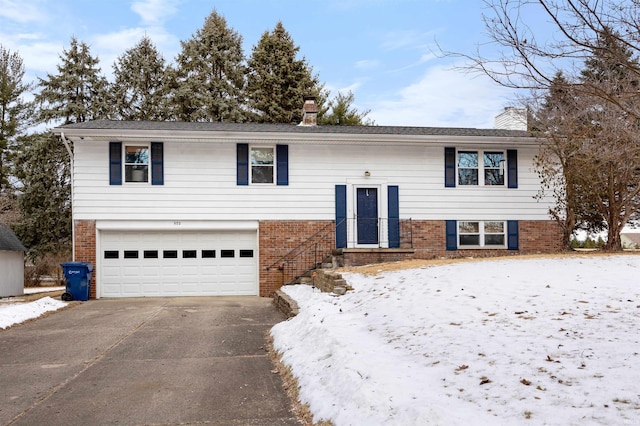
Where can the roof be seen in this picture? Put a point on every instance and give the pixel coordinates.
(9, 241)
(118, 125)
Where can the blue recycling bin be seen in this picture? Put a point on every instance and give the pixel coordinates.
(77, 277)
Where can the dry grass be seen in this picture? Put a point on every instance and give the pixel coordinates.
(376, 268)
(291, 386)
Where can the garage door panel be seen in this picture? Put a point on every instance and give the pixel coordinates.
(135, 264)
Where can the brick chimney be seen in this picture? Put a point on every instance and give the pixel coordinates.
(309, 111)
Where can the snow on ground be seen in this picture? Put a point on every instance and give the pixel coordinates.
(16, 313)
(493, 342)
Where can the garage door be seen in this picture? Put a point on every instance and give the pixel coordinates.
(137, 264)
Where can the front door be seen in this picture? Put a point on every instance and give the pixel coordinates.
(367, 215)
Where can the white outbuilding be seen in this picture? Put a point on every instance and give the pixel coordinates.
(11, 263)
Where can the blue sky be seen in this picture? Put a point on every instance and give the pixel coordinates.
(382, 50)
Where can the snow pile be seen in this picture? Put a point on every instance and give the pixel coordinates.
(548, 341)
(20, 312)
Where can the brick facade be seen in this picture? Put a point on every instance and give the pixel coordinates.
(277, 238)
(538, 236)
(85, 248)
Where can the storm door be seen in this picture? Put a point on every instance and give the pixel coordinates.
(367, 215)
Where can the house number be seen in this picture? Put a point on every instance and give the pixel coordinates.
(177, 223)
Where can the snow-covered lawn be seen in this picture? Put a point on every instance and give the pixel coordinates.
(15, 313)
(492, 342)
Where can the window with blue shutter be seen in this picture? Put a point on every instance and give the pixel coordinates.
(452, 234)
(394, 216)
(512, 168)
(242, 164)
(450, 167)
(282, 164)
(115, 163)
(341, 216)
(157, 163)
(512, 235)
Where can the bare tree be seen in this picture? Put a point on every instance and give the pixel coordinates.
(590, 157)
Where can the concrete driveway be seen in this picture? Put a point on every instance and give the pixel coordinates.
(166, 361)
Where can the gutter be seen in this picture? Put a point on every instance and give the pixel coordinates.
(65, 141)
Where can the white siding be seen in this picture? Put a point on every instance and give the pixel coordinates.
(12, 276)
(200, 184)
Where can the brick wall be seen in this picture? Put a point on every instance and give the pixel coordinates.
(542, 236)
(85, 249)
(276, 239)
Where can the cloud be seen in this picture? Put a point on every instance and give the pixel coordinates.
(443, 98)
(21, 11)
(367, 63)
(155, 12)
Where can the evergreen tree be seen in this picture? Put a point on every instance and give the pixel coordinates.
(138, 91)
(78, 92)
(277, 82)
(610, 151)
(45, 198)
(15, 114)
(208, 81)
(341, 112)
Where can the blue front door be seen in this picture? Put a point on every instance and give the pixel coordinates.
(367, 215)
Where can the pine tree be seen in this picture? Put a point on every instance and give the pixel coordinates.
(44, 202)
(277, 82)
(138, 91)
(15, 115)
(341, 112)
(78, 92)
(208, 81)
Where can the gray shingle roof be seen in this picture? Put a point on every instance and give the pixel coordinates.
(290, 128)
(9, 241)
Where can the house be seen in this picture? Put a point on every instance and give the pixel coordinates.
(630, 240)
(183, 208)
(11, 263)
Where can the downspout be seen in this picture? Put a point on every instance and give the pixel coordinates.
(73, 228)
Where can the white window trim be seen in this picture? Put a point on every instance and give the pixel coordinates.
(125, 164)
(481, 168)
(274, 166)
(482, 235)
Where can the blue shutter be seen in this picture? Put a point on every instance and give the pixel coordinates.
(452, 235)
(512, 234)
(242, 164)
(394, 217)
(157, 163)
(450, 167)
(341, 216)
(282, 164)
(512, 168)
(115, 163)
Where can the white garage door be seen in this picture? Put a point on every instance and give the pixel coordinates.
(136, 264)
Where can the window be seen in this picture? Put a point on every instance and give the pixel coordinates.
(208, 254)
(227, 253)
(493, 168)
(170, 254)
(467, 168)
(262, 164)
(131, 254)
(136, 163)
(111, 254)
(492, 164)
(246, 253)
(189, 254)
(481, 234)
(150, 254)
